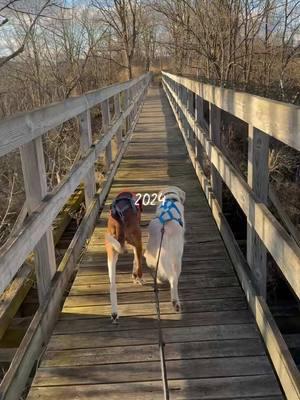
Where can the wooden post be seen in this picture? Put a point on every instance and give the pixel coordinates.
(215, 137)
(85, 144)
(199, 117)
(258, 180)
(185, 102)
(117, 115)
(35, 182)
(126, 104)
(105, 124)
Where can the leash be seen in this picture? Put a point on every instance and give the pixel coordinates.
(160, 335)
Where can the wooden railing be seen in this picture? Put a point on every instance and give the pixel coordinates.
(25, 132)
(265, 118)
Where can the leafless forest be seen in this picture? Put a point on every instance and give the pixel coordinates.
(53, 49)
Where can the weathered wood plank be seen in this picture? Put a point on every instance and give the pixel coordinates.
(258, 180)
(146, 296)
(85, 144)
(150, 371)
(134, 337)
(35, 182)
(237, 388)
(173, 351)
(16, 131)
(277, 119)
(81, 325)
(215, 137)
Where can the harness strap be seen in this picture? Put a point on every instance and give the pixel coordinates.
(167, 207)
(129, 203)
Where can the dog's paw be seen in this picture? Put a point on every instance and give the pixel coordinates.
(176, 305)
(114, 318)
(138, 281)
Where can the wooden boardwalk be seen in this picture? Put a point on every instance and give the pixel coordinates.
(213, 348)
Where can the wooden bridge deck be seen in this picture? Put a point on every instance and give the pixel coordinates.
(213, 348)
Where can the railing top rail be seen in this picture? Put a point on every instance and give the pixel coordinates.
(17, 130)
(277, 119)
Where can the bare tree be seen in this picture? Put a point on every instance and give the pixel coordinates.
(34, 12)
(123, 19)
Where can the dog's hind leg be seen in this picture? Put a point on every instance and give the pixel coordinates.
(112, 258)
(137, 271)
(174, 293)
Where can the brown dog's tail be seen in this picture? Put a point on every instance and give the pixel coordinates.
(115, 244)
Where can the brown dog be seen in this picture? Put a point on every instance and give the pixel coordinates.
(123, 226)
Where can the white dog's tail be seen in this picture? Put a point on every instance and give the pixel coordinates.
(115, 244)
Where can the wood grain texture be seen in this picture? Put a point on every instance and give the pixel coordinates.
(258, 180)
(35, 182)
(212, 347)
(18, 130)
(277, 119)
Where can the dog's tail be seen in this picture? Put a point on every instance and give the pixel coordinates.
(115, 244)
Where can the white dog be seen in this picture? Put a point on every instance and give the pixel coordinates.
(170, 215)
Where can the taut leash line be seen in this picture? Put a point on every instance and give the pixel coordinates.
(160, 335)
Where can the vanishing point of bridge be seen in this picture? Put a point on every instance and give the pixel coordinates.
(224, 344)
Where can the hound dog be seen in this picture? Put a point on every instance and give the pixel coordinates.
(123, 226)
(170, 215)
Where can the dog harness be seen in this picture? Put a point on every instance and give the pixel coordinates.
(169, 212)
(123, 202)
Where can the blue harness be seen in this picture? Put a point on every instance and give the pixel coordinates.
(167, 215)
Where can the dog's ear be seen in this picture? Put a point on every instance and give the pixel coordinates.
(181, 195)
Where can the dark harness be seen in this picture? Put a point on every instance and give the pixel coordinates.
(123, 202)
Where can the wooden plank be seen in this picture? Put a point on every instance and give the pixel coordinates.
(127, 310)
(105, 126)
(143, 371)
(277, 119)
(35, 182)
(85, 143)
(284, 217)
(117, 106)
(215, 137)
(81, 324)
(173, 351)
(14, 295)
(237, 388)
(144, 296)
(258, 180)
(134, 337)
(281, 246)
(18, 130)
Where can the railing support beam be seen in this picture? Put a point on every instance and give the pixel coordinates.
(215, 137)
(258, 180)
(35, 182)
(105, 124)
(85, 144)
